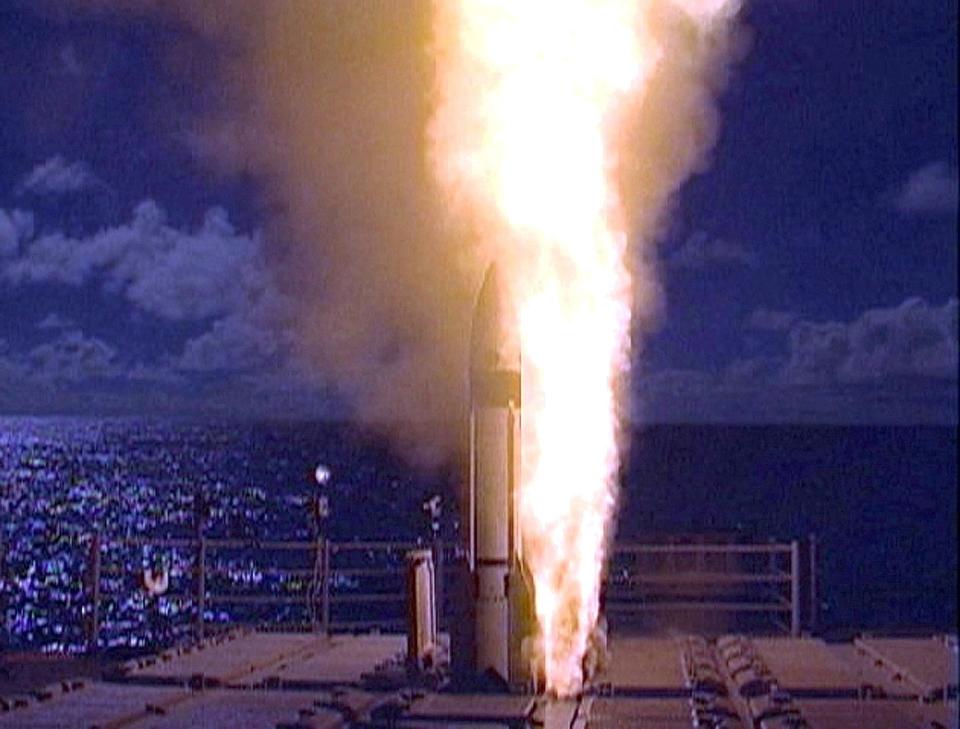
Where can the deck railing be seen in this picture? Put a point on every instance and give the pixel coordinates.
(329, 586)
(713, 583)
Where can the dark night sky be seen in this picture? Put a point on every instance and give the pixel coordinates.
(810, 272)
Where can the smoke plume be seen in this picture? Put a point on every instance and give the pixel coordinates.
(328, 105)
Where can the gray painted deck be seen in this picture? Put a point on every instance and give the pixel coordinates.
(288, 679)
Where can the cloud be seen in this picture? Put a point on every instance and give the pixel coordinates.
(69, 62)
(154, 375)
(56, 177)
(54, 321)
(771, 320)
(932, 189)
(887, 365)
(674, 380)
(72, 357)
(74, 373)
(210, 274)
(174, 274)
(912, 340)
(670, 395)
(12, 371)
(15, 226)
(234, 343)
(702, 251)
(752, 370)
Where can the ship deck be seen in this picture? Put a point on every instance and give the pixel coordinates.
(267, 679)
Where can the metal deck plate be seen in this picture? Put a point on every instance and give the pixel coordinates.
(496, 708)
(271, 679)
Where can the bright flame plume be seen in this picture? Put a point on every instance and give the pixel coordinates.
(530, 93)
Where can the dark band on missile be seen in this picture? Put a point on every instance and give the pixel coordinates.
(493, 562)
(497, 388)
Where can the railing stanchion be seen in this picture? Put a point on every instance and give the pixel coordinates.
(4, 587)
(93, 637)
(438, 585)
(201, 595)
(814, 598)
(795, 588)
(326, 586)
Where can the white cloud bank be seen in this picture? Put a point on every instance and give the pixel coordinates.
(912, 340)
(209, 274)
(15, 226)
(56, 176)
(701, 251)
(771, 320)
(894, 364)
(73, 357)
(932, 189)
(176, 275)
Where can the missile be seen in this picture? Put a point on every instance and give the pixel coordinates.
(504, 625)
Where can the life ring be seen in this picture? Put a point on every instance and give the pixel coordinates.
(156, 581)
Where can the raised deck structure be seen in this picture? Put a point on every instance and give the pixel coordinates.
(283, 680)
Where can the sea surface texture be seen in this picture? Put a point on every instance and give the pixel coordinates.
(881, 501)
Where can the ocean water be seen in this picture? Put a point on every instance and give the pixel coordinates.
(882, 502)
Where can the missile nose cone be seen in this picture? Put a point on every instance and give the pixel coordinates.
(494, 349)
(494, 342)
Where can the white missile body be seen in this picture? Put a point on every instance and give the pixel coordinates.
(504, 623)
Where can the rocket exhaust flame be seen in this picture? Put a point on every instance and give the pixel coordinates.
(529, 97)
